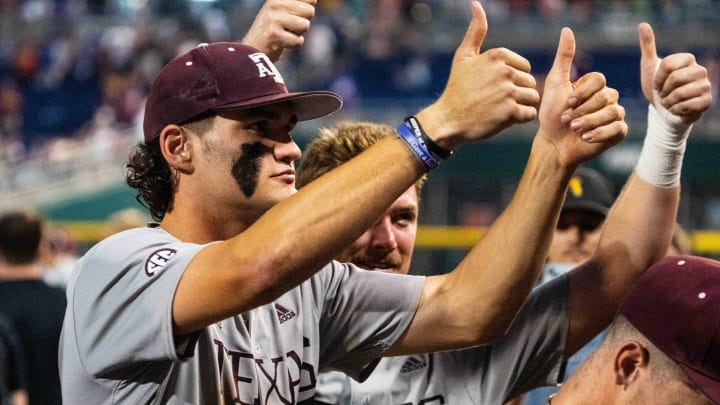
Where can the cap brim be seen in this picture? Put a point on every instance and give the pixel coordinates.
(585, 206)
(308, 105)
(708, 385)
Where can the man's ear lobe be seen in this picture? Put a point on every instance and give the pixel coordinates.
(631, 359)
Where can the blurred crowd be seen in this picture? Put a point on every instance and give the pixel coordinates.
(74, 73)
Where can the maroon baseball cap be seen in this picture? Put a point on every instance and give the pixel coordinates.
(224, 76)
(676, 305)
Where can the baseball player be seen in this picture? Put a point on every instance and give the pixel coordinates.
(233, 298)
(559, 317)
(663, 346)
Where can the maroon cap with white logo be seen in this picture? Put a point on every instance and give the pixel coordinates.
(676, 305)
(220, 77)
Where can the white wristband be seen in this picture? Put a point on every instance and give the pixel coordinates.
(660, 161)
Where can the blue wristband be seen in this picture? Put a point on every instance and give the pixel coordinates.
(435, 149)
(416, 145)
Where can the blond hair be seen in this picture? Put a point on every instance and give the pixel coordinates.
(335, 146)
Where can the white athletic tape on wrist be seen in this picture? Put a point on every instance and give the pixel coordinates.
(660, 161)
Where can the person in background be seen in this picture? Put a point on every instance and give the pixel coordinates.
(62, 256)
(13, 375)
(587, 202)
(389, 243)
(35, 308)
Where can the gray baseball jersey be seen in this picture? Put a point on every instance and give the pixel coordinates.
(118, 346)
(530, 355)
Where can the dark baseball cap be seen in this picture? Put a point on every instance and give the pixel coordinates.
(589, 190)
(224, 76)
(676, 305)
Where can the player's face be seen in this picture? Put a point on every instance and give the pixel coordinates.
(389, 243)
(576, 236)
(251, 155)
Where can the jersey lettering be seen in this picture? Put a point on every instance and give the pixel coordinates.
(303, 367)
(255, 376)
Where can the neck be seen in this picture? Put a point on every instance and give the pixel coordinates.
(31, 271)
(202, 226)
(585, 386)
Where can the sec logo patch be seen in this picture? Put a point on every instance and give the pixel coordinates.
(158, 260)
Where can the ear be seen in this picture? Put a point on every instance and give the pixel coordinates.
(631, 360)
(175, 147)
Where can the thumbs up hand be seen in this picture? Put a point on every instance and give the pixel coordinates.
(676, 83)
(485, 93)
(279, 25)
(580, 119)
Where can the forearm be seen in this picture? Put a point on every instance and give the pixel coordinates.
(504, 266)
(296, 237)
(477, 302)
(636, 233)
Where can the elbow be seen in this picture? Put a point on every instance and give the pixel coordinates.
(263, 284)
(268, 278)
(493, 331)
(484, 329)
(477, 336)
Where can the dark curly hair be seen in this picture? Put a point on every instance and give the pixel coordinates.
(150, 175)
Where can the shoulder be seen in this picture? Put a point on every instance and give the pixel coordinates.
(136, 237)
(149, 251)
(132, 243)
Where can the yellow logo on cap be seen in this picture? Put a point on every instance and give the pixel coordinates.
(575, 187)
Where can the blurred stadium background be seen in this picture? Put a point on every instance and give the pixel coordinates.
(74, 73)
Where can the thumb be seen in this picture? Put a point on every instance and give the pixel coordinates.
(564, 56)
(648, 59)
(647, 43)
(475, 35)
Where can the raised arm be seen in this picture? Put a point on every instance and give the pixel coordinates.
(639, 227)
(280, 25)
(478, 300)
(290, 242)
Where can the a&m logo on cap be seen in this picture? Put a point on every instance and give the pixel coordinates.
(266, 67)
